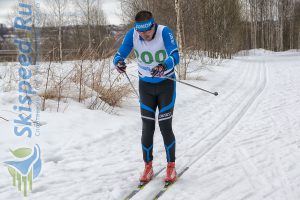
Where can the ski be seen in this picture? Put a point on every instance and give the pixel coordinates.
(142, 185)
(168, 184)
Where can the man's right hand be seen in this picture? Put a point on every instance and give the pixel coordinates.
(121, 67)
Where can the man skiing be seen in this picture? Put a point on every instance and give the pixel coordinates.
(157, 54)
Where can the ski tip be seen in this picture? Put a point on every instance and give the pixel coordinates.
(168, 183)
(142, 184)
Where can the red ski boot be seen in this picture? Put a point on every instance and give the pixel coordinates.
(147, 174)
(171, 173)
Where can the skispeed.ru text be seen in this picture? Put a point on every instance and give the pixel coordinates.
(23, 22)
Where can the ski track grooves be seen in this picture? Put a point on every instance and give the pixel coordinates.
(244, 75)
(222, 129)
(239, 114)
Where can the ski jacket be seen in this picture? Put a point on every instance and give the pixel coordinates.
(161, 49)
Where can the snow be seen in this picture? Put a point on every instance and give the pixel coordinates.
(242, 144)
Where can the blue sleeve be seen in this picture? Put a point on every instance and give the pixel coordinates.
(125, 47)
(171, 47)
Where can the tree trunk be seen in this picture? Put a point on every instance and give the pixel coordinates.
(89, 24)
(60, 44)
(179, 36)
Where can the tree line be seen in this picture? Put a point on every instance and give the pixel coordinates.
(221, 28)
(62, 34)
(218, 28)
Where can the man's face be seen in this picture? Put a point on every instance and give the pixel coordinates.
(147, 35)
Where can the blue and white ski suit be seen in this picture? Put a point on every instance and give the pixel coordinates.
(154, 91)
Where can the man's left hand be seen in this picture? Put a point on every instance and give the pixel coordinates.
(159, 70)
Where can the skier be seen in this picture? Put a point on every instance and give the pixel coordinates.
(157, 54)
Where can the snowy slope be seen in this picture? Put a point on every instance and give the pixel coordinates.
(242, 144)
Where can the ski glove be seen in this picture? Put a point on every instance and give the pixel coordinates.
(159, 70)
(121, 67)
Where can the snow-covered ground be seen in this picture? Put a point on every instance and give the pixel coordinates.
(242, 144)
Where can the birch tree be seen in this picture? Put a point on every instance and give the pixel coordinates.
(181, 69)
(86, 7)
(58, 11)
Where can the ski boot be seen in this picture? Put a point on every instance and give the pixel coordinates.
(147, 174)
(171, 175)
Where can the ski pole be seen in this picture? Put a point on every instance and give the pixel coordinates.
(132, 85)
(214, 93)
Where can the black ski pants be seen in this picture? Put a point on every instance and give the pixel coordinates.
(161, 95)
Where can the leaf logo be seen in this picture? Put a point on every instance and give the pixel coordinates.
(26, 168)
